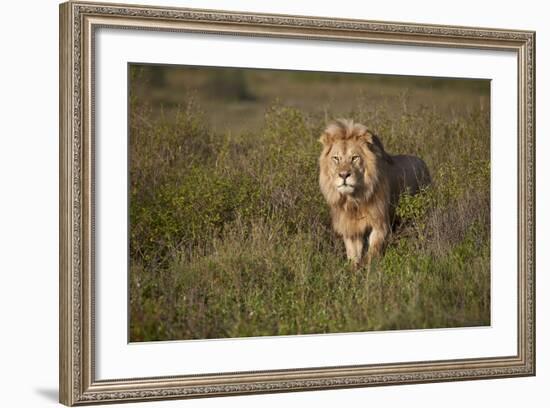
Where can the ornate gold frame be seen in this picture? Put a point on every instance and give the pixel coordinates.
(78, 22)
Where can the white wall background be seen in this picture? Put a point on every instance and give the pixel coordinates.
(29, 194)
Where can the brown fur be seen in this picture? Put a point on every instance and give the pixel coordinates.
(362, 184)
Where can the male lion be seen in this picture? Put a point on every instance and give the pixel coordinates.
(362, 184)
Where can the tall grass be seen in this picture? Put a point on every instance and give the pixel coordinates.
(230, 236)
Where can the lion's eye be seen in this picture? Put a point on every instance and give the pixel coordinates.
(354, 159)
(336, 159)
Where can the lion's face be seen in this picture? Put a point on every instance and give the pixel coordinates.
(347, 166)
(350, 162)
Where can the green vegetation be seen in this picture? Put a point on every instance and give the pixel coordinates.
(230, 236)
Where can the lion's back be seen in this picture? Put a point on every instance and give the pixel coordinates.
(408, 174)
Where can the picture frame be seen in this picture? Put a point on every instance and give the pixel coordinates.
(79, 25)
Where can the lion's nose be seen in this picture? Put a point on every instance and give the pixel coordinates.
(344, 175)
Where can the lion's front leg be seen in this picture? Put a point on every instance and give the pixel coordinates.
(354, 249)
(377, 241)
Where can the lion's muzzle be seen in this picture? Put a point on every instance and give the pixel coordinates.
(345, 183)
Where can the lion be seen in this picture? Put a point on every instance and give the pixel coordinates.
(362, 184)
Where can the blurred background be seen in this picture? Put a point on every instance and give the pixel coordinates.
(235, 99)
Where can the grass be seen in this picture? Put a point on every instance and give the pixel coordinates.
(230, 236)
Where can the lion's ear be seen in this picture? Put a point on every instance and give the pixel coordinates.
(334, 130)
(326, 139)
(375, 145)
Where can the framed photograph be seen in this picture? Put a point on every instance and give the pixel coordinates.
(256, 203)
